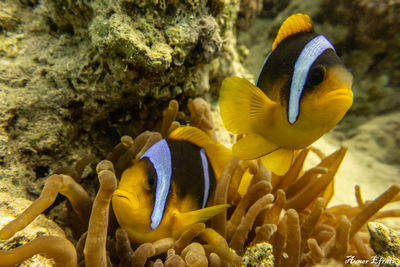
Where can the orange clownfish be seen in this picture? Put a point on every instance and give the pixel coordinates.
(169, 187)
(303, 90)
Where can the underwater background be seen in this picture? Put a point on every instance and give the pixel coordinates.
(75, 76)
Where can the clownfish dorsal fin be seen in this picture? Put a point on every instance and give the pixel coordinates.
(294, 24)
(218, 154)
(192, 135)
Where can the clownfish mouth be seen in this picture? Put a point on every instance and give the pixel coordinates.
(343, 92)
(131, 200)
(339, 95)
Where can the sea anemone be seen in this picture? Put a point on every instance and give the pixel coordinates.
(288, 212)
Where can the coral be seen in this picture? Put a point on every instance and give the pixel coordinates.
(386, 244)
(271, 8)
(96, 70)
(70, 16)
(201, 116)
(287, 212)
(8, 17)
(259, 255)
(248, 13)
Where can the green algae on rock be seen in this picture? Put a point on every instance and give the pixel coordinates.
(65, 91)
(259, 255)
(386, 244)
(143, 47)
(76, 75)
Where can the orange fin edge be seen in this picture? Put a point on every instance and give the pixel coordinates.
(294, 24)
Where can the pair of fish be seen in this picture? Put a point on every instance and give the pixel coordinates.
(303, 91)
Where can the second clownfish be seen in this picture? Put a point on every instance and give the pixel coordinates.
(303, 90)
(169, 188)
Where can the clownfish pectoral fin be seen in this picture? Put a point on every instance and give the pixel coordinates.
(218, 154)
(294, 24)
(253, 146)
(279, 161)
(243, 105)
(201, 215)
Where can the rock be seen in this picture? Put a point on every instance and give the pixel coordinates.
(77, 75)
(380, 135)
(259, 255)
(271, 8)
(386, 244)
(248, 13)
(223, 136)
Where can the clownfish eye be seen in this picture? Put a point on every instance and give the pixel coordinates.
(316, 75)
(149, 178)
(151, 181)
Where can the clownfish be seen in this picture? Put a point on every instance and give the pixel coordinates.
(168, 188)
(302, 91)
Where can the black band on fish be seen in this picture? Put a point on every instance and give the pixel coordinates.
(307, 57)
(160, 156)
(260, 73)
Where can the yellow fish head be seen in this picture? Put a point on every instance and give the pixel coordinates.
(328, 101)
(132, 201)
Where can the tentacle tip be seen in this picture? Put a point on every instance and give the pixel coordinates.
(105, 165)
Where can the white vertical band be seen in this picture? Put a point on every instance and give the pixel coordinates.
(204, 162)
(308, 55)
(160, 156)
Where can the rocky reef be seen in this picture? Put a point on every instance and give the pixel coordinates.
(386, 244)
(76, 75)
